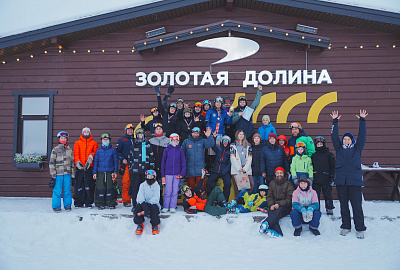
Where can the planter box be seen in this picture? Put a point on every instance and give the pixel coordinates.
(30, 166)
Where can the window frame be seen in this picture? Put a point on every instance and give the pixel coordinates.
(18, 125)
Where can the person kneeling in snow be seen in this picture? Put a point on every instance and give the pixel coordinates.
(249, 203)
(305, 207)
(148, 199)
(215, 205)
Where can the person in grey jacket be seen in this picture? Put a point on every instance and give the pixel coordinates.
(194, 153)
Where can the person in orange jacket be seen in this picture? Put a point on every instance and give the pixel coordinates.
(283, 142)
(84, 150)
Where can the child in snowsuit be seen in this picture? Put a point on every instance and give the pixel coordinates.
(324, 172)
(173, 168)
(84, 150)
(62, 169)
(249, 203)
(283, 142)
(148, 204)
(266, 128)
(195, 201)
(301, 164)
(105, 173)
(305, 207)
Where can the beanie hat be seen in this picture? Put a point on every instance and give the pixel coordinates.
(266, 117)
(85, 129)
(304, 178)
(279, 169)
(271, 135)
(257, 135)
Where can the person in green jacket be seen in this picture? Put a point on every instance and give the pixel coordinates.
(301, 164)
(308, 142)
(249, 203)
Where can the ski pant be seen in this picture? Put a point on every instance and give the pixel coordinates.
(216, 195)
(150, 210)
(84, 187)
(275, 215)
(105, 192)
(136, 180)
(212, 181)
(171, 191)
(126, 184)
(235, 187)
(258, 180)
(297, 219)
(354, 195)
(193, 181)
(62, 186)
(327, 191)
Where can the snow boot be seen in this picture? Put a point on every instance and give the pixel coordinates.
(297, 231)
(263, 227)
(57, 210)
(314, 231)
(164, 210)
(126, 204)
(139, 229)
(273, 234)
(68, 208)
(112, 207)
(360, 235)
(101, 208)
(344, 232)
(329, 212)
(157, 89)
(155, 230)
(172, 210)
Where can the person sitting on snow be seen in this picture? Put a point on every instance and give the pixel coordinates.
(249, 203)
(148, 203)
(305, 207)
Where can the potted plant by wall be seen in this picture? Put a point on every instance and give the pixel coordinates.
(28, 162)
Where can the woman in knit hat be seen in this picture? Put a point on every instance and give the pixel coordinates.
(266, 128)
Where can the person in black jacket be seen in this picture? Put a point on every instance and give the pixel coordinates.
(348, 173)
(222, 167)
(169, 115)
(152, 123)
(255, 163)
(185, 126)
(272, 157)
(323, 163)
(198, 118)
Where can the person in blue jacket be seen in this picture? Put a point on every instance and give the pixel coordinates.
(266, 128)
(105, 168)
(348, 173)
(222, 167)
(217, 118)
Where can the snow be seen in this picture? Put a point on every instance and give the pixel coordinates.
(34, 237)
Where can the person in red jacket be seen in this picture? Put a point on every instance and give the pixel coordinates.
(283, 142)
(84, 150)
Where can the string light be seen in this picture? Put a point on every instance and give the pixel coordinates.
(118, 51)
(160, 39)
(319, 40)
(238, 25)
(176, 37)
(60, 51)
(145, 43)
(222, 24)
(45, 51)
(345, 47)
(103, 51)
(207, 29)
(74, 51)
(287, 34)
(377, 46)
(394, 46)
(361, 47)
(88, 51)
(191, 32)
(255, 28)
(4, 62)
(31, 55)
(17, 59)
(270, 30)
(302, 37)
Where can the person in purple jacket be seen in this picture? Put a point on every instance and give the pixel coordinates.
(173, 168)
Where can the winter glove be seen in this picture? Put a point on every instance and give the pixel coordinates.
(52, 183)
(304, 213)
(178, 176)
(164, 181)
(157, 89)
(79, 165)
(251, 203)
(202, 194)
(171, 89)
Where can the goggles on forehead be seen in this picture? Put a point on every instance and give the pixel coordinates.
(157, 125)
(197, 104)
(196, 129)
(228, 101)
(319, 139)
(295, 125)
(154, 109)
(225, 140)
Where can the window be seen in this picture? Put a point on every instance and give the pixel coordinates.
(33, 122)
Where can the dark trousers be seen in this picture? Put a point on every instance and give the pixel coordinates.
(84, 187)
(212, 182)
(275, 215)
(105, 192)
(327, 191)
(216, 195)
(136, 180)
(153, 209)
(297, 219)
(354, 195)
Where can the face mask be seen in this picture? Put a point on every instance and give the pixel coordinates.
(86, 136)
(107, 143)
(150, 181)
(63, 141)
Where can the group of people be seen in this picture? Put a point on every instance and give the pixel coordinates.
(220, 142)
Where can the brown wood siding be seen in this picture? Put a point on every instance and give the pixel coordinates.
(98, 90)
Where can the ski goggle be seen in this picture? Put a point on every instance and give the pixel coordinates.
(179, 100)
(206, 102)
(225, 140)
(128, 126)
(172, 105)
(175, 137)
(198, 104)
(227, 101)
(154, 109)
(151, 172)
(185, 188)
(196, 129)
(62, 133)
(300, 144)
(157, 125)
(105, 136)
(139, 131)
(295, 125)
(319, 139)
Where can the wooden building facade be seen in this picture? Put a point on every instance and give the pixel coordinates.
(89, 75)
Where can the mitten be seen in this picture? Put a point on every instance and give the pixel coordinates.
(52, 183)
(157, 89)
(310, 212)
(304, 213)
(79, 165)
(171, 89)
(251, 203)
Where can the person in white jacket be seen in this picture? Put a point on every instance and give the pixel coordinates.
(241, 157)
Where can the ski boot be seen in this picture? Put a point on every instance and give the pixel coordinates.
(57, 210)
(297, 231)
(314, 231)
(139, 229)
(155, 230)
(263, 227)
(273, 234)
(68, 208)
(329, 212)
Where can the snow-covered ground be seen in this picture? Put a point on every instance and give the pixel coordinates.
(33, 237)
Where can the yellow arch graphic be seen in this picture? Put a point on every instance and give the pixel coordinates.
(265, 100)
(288, 105)
(319, 104)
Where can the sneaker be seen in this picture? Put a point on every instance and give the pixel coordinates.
(68, 208)
(297, 231)
(139, 229)
(155, 230)
(101, 208)
(314, 231)
(164, 210)
(273, 234)
(126, 204)
(112, 207)
(329, 212)
(360, 235)
(172, 210)
(344, 232)
(57, 210)
(263, 227)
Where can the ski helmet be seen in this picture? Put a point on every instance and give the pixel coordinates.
(62, 133)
